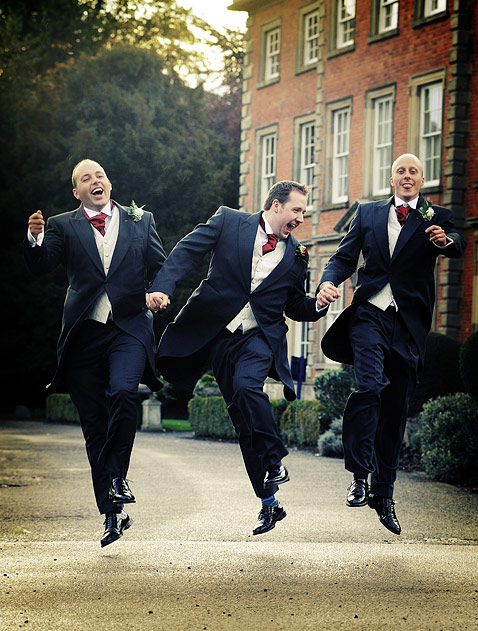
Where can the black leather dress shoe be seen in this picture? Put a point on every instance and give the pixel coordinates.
(277, 474)
(115, 524)
(385, 508)
(124, 521)
(120, 493)
(357, 493)
(267, 518)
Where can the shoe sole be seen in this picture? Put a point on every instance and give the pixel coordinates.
(272, 526)
(364, 503)
(274, 482)
(115, 500)
(103, 545)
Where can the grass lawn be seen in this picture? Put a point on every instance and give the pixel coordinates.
(176, 425)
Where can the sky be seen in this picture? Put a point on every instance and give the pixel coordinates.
(216, 13)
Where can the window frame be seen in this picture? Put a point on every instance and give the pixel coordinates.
(300, 124)
(421, 18)
(302, 13)
(377, 32)
(380, 146)
(264, 79)
(416, 84)
(261, 135)
(334, 47)
(372, 98)
(425, 136)
(331, 110)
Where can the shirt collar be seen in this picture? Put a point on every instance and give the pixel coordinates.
(267, 224)
(107, 210)
(412, 203)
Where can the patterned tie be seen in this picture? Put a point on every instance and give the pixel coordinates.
(402, 212)
(271, 239)
(98, 221)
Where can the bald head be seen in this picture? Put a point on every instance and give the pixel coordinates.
(407, 177)
(407, 158)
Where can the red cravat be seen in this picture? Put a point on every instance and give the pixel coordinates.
(98, 221)
(271, 239)
(402, 212)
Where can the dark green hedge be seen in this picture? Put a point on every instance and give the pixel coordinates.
(298, 422)
(209, 418)
(60, 408)
(449, 439)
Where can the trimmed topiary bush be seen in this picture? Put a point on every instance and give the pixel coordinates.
(330, 442)
(332, 388)
(449, 439)
(469, 364)
(299, 423)
(207, 387)
(209, 418)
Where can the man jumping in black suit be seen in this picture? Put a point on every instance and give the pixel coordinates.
(236, 316)
(383, 332)
(106, 345)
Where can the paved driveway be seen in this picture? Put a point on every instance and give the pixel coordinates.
(190, 561)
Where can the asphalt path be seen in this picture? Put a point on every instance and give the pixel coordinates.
(190, 561)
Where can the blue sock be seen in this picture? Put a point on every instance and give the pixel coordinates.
(269, 501)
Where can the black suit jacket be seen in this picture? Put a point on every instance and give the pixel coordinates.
(410, 270)
(230, 236)
(137, 257)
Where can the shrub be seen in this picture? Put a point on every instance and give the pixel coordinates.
(449, 439)
(441, 372)
(330, 442)
(207, 387)
(413, 434)
(469, 364)
(208, 417)
(332, 388)
(60, 408)
(278, 408)
(299, 423)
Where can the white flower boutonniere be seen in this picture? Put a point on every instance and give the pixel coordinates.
(135, 212)
(426, 211)
(302, 253)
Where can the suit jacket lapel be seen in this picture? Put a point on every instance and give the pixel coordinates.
(82, 227)
(246, 239)
(409, 228)
(380, 227)
(125, 233)
(284, 264)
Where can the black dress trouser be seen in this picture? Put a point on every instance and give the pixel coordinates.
(241, 364)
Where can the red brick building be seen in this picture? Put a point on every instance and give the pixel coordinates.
(334, 91)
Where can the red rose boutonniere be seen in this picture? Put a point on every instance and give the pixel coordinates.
(302, 254)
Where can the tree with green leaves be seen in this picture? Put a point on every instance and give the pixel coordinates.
(85, 92)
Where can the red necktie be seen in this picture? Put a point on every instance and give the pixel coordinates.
(402, 212)
(98, 221)
(271, 239)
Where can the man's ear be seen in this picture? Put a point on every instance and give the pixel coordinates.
(75, 193)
